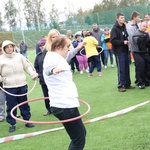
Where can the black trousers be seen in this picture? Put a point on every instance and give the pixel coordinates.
(142, 68)
(74, 62)
(47, 101)
(75, 129)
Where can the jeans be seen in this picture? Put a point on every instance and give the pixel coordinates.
(105, 57)
(75, 129)
(111, 56)
(106, 53)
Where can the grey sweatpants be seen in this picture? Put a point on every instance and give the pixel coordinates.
(2, 104)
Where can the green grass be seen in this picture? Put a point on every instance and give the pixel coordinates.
(126, 132)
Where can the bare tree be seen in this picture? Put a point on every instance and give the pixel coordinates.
(19, 6)
(33, 13)
(10, 14)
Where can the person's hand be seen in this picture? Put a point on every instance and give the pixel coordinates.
(35, 79)
(126, 42)
(80, 45)
(57, 70)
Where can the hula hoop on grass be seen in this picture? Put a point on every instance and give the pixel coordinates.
(20, 94)
(51, 122)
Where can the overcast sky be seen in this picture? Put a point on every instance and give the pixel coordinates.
(75, 4)
(61, 4)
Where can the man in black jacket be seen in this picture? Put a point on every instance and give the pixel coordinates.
(119, 40)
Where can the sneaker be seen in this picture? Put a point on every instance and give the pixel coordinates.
(90, 75)
(87, 70)
(141, 86)
(100, 74)
(121, 89)
(47, 113)
(130, 87)
(112, 66)
(105, 67)
(12, 128)
(29, 125)
(81, 72)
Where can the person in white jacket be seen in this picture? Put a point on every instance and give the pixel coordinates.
(12, 75)
(63, 93)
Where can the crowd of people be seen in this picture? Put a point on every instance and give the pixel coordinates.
(55, 62)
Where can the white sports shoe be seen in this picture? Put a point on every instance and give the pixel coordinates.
(81, 72)
(112, 66)
(87, 70)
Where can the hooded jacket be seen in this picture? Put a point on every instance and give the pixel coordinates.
(12, 67)
(118, 36)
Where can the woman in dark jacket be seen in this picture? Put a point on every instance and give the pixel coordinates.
(38, 64)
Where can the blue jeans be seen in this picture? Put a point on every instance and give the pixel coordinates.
(75, 129)
(106, 53)
(105, 57)
(111, 56)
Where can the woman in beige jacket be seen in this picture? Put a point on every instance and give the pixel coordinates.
(12, 74)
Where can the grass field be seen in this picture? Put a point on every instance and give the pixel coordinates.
(126, 132)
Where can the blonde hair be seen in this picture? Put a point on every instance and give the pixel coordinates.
(49, 38)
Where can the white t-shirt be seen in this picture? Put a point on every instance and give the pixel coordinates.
(62, 90)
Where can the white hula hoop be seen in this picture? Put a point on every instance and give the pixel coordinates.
(18, 95)
(101, 50)
(81, 51)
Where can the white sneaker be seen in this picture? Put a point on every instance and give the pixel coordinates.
(112, 66)
(87, 70)
(81, 72)
(105, 67)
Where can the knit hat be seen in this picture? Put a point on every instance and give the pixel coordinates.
(7, 42)
(42, 41)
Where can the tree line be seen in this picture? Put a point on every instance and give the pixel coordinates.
(33, 14)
